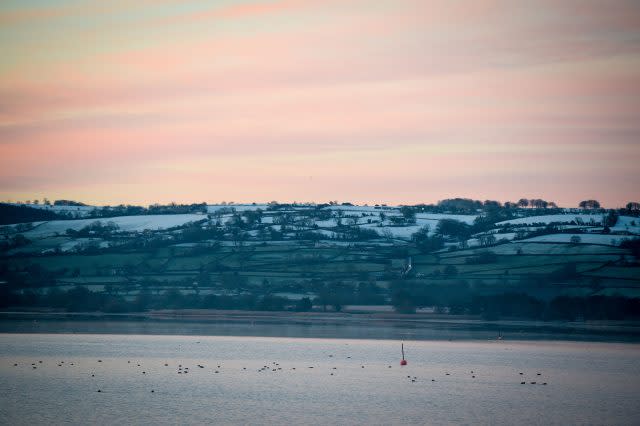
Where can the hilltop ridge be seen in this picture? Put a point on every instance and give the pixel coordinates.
(460, 256)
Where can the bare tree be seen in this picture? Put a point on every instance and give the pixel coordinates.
(633, 206)
(589, 204)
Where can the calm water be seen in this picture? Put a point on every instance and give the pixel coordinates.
(587, 383)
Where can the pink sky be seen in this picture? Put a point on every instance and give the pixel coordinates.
(296, 100)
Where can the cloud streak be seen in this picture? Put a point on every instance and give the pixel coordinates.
(286, 98)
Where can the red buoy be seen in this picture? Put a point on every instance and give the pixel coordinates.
(404, 361)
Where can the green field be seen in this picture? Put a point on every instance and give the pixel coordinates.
(285, 264)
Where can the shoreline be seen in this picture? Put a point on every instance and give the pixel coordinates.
(315, 324)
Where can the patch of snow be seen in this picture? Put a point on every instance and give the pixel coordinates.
(626, 224)
(329, 223)
(212, 208)
(506, 236)
(466, 218)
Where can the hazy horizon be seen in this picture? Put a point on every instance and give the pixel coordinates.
(300, 202)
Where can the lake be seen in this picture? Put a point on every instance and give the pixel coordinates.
(109, 379)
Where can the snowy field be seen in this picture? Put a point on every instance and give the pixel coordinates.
(554, 218)
(125, 223)
(436, 217)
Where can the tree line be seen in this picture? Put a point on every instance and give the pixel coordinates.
(489, 307)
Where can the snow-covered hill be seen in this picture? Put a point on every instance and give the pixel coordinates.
(336, 223)
(124, 223)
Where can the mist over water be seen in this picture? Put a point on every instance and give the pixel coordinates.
(587, 383)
